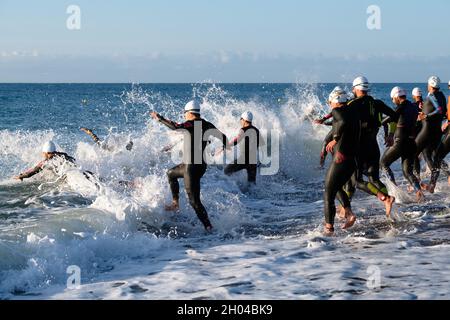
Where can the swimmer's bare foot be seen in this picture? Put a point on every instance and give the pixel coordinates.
(341, 215)
(389, 202)
(328, 230)
(420, 196)
(381, 196)
(209, 229)
(424, 186)
(174, 207)
(351, 219)
(410, 189)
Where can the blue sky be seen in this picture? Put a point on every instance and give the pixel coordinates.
(223, 40)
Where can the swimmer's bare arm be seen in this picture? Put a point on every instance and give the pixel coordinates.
(324, 120)
(92, 135)
(168, 123)
(29, 173)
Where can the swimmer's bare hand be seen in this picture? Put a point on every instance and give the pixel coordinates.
(319, 121)
(322, 160)
(339, 157)
(155, 115)
(422, 116)
(331, 145)
(18, 178)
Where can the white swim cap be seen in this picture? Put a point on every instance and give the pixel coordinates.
(417, 92)
(434, 82)
(49, 147)
(247, 116)
(398, 92)
(361, 83)
(338, 96)
(192, 107)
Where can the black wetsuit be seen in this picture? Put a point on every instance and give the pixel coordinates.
(430, 136)
(248, 159)
(404, 146)
(194, 166)
(419, 106)
(41, 165)
(439, 164)
(442, 151)
(368, 159)
(346, 131)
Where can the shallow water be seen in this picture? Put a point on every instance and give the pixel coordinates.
(267, 243)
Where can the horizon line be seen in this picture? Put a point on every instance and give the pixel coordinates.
(191, 83)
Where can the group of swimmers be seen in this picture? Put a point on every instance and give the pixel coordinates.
(197, 132)
(412, 129)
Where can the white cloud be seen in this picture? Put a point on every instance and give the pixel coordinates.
(222, 66)
(19, 53)
(224, 57)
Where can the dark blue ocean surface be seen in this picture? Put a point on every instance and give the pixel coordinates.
(64, 107)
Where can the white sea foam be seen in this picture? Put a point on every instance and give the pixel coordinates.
(268, 241)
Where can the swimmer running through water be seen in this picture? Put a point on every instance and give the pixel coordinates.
(370, 113)
(444, 147)
(194, 165)
(346, 132)
(430, 136)
(249, 140)
(404, 146)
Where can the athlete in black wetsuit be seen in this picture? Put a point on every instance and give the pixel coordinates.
(50, 156)
(404, 145)
(418, 102)
(433, 113)
(439, 164)
(443, 149)
(194, 166)
(248, 159)
(346, 132)
(371, 113)
(101, 143)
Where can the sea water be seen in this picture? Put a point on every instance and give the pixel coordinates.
(267, 242)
